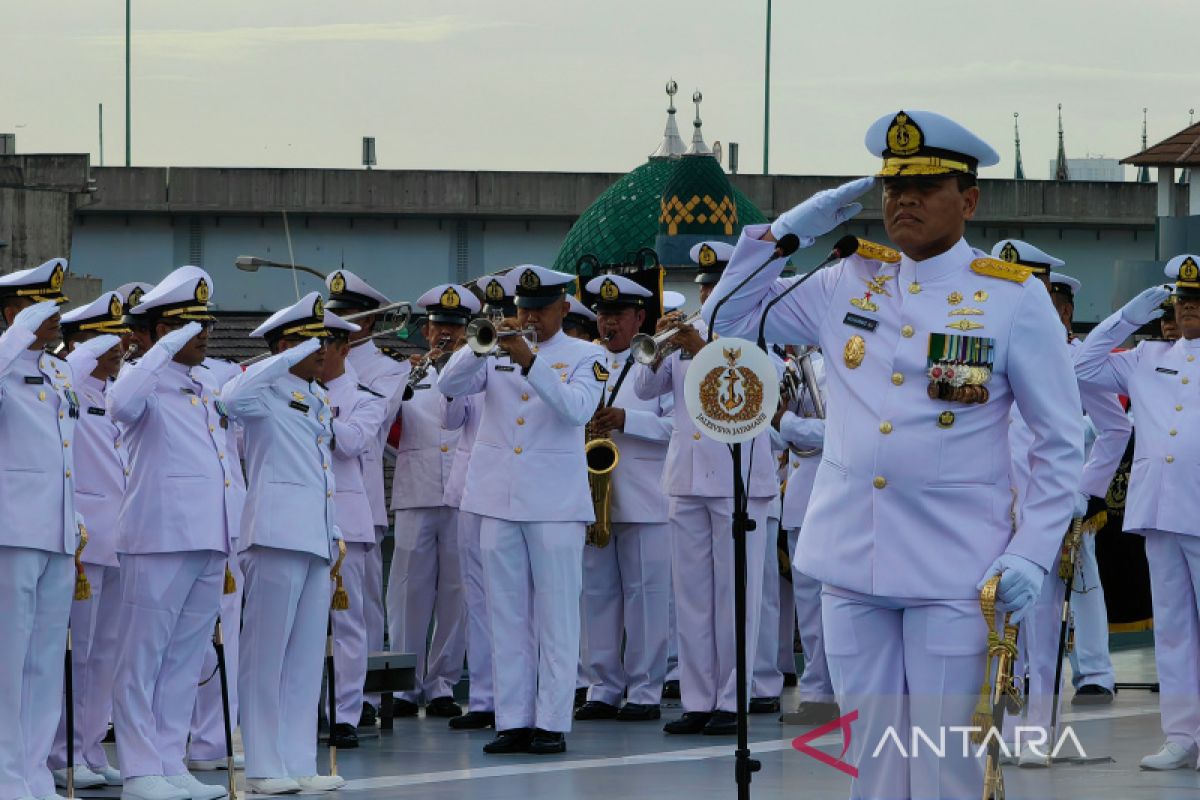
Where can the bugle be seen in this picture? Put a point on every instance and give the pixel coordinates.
(483, 337)
(647, 349)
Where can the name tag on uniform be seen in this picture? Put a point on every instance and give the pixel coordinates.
(296, 404)
(96, 412)
(37, 380)
(422, 386)
(684, 355)
(1166, 371)
(502, 368)
(861, 322)
(335, 412)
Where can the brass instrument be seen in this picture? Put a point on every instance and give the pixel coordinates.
(422, 367)
(999, 693)
(602, 458)
(401, 309)
(483, 337)
(649, 350)
(799, 386)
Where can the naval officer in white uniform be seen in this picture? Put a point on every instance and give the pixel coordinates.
(175, 531)
(1163, 505)
(626, 583)
(527, 479)
(924, 354)
(38, 410)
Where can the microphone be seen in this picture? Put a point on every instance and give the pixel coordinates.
(787, 244)
(845, 247)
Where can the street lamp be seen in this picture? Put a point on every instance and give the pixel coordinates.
(252, 263)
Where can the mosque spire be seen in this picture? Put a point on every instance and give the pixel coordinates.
(1019, 169)
(672, 145)
(698, 148)
(1185, 174)
(1143, 175)
(1061, 173)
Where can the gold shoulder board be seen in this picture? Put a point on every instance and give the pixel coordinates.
(995, 268)
(877, 252)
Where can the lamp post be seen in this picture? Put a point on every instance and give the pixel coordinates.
(767, 100)
(252, 263)
(128, 114)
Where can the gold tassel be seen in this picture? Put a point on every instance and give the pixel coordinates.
(230, 583)
(341, 599)
(83, 589)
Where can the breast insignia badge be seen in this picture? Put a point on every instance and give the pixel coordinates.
(854, 351)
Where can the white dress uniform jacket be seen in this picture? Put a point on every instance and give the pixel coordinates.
(512, 465)
(461, 414)
(637, 481)
(805, 434)
(876, 507)
(358, 415)
(384, 375)
(425, 449)
(181, 494)
(1112, 434)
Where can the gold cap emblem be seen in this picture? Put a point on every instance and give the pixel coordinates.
(609, 291)
(450, 298)
(337, 284)
(202, 291)
(114, 306)
(319, 308)
(494, 292)
(57, 276)
(904, 137)
(530, 280)
(1009, 253)
(1188, 270)
(708, 256)
(135, 296)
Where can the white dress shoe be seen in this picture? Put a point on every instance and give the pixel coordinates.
(198, 790)
(272, 785)
(1031, 760)
(321, 783)
(1171, 756)
(84, 777)
(111, 775)
(52, 797)
(152, 787)
(209, 764)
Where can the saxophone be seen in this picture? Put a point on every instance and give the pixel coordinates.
(602, 457)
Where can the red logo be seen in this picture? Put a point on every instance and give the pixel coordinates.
(841, 723)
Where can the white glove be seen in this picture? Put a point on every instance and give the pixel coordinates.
(97, 346)
(1020, 583)
(1146, 306)
(1081, 504)
(31, 318)
(175, 341)
(822, 212)
(295, 355)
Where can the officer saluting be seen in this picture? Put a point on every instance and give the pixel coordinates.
(38, 409)
(925, 353)
(528, 481)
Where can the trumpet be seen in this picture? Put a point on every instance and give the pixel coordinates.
(401, 309)
(483, 337)
(799, 385)
(648, 350)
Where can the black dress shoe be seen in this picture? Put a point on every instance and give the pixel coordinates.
(473, 721)
(810, 713)
(1091, 694)
(443, 707)
(690, 722)
(109, 736)
(580, 696)
(639, 712)
(344, 736)
(790, 679)
(764, 705)
(596, 709)
(367, 718)
(723, 723)
(404, 708)
(671, 690)
(547, 742)
(515, 740)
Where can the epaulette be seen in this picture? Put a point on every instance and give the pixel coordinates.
(394, 354)
(877, 252)
(1004, 270)
(369, 390)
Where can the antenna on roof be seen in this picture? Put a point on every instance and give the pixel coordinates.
(1019, 169)
(1143, 175)
(1061, 173)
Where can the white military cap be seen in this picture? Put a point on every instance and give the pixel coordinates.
(613, 292)
(579, 309)
(712, 258)
(183, 295)
(337, 325)
(347, 290)
(105, 314)
(538, 287)
(305, 318)
(673, 300)
(1064, 284)
(449, 303)
(925, 143)
(132, 292)
(1184, 270)
(38, 283)
(1015, 251)
(496, 289)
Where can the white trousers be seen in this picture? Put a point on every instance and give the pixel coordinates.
(373, 601)
(815, 685)
(702, 573)
(672, 627)
(208, 718)
(1175, 593)
(479, 623)
(625, 589)
(350, 635)
(767, 676)
(283, 641)
(425, 588)
(1090, 660)
(533, 572)
(169, 605)
(906, 664)
(94, 628)
(36, 587)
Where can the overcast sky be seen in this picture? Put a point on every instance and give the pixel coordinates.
(571, 86)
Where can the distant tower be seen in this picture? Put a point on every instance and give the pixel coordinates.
(1061, 173)
(672, 145)
(1143, 171)
(698, 148)
(1019, 169)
